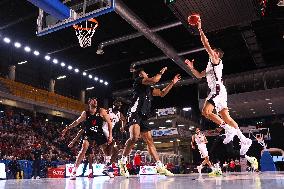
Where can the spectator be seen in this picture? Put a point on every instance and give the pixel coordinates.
(232, 166)
(137, 162)
(14, 168)
(36, 156)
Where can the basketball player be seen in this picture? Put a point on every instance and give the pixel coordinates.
(94, 119)
(201, 142)
(218, 96)
(138, 114)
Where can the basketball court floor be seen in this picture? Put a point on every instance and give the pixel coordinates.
(272, 180)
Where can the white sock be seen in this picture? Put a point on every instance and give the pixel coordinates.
(107, 159)
(159, 164)
(240, 135)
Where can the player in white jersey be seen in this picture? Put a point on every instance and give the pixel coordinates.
(201, 141)
(218, 95)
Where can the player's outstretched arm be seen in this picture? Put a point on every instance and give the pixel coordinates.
(166, 90)
(196, 73)
(155, 79)
(75, 123)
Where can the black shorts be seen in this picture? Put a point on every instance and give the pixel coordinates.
(98, 138)
(141, 120)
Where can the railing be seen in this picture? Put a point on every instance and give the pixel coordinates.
(39, 95)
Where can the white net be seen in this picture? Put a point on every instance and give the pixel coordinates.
(85, 35)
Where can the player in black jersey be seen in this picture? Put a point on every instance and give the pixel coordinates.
(139, 113)
(94, 119)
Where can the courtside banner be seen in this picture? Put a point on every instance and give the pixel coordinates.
(166, 111)
(56, 172)
(97, 169)
(2, 171)
(165, 132)
(148, 170)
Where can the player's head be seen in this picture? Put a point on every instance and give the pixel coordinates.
(197, 130)
(140, 73)
(219, 52)
(117, 105)
(93, 103)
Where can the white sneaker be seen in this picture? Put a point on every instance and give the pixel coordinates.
(230, 133)
(123, 169)
(245, 145)
(199, 168)
(33, 177)
(162, 170)
(37, 177)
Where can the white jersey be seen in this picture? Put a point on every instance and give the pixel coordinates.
(114, 117)
(214, 73)
(199, 138)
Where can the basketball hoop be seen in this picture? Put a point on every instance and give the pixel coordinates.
(85, 34)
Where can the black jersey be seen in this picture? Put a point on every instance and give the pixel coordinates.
(142, 97)
(93, 123)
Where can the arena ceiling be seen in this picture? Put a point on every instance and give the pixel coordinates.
(242, 43)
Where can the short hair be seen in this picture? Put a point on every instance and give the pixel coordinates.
(136, 72)
(220, 51)
(92, 100)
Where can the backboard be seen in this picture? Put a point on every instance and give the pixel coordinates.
(58, 14)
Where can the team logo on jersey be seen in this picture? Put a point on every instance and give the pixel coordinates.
(94, 122)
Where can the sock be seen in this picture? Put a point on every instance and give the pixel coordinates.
(240, 135)
(74, 169)
(159, 164)
(107, 159)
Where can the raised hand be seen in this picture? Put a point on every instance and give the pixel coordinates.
(189, 63)
(176, 78)
(163, 70)
(199, 23)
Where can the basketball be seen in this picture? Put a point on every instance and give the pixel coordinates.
(193, 19)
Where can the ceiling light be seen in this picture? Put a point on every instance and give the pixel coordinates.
(186, 109)
(245, 102)
(76, 70)
(84, 73)
(17, 44)
(251, 109)
(106, 83)
(70, 67)
(36, 53)
(151, 123)
(157, 142)
(23, 62)
(267, 99)
(181, 125)
(7, 40)
(253, 112)
(61, 77)
(168, 121)
(27, 49)
(90, 76)
(178, 140)
(62, 64)
(46, 120)
(101, 81)
(272, 110)
(90, 88)
(171, 141)
(162, 127)
(47, 57)
(269, 102)
(55, 61)
(96, 79)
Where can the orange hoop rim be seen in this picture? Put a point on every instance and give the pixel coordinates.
(77, 27)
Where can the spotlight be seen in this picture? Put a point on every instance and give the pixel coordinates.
(84, 73)
(96, 79)
(47, 57)
(36, 53)
(17, 44)
(76, 70)
(55, 61)
(7, 40)
(62, 64)
(70, 67)
(101, 81)
(90, 76)
(27, 49)
(106, 83)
